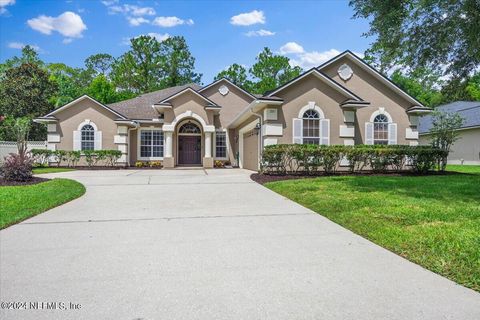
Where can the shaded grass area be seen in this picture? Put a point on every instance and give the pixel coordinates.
(42, 170)
(433, 221)
(21, 202)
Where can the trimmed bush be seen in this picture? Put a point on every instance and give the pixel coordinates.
(309, 158)
(16, 168)
(41, 156)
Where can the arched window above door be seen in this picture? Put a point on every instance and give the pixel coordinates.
(189, 128)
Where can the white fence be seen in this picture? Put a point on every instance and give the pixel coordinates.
(7, 147)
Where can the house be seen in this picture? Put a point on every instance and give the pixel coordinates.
(344, 101)
(466, 150)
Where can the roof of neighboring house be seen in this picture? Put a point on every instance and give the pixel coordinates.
(141, 106)
(468, 110)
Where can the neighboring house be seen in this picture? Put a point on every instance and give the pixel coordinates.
(466, 150)
(344, 101)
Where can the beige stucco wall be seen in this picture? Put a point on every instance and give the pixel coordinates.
(299, 95)
(234, 102)
(378, 94)
(466, 148)
(133, 145)
(70, 118)
(189, 101)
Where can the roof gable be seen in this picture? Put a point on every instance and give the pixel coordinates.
(379, 76)
(210, 103)
(229, 82)
(320, 75)
(83, 97)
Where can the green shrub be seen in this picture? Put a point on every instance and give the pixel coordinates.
(293, 158)
(90, 156)
(112, 156)
(73, 157)
(41, 156)
(60, 156)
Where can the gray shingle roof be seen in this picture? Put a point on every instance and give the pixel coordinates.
(141, 106)
(468, 110)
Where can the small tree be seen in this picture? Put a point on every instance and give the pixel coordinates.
(21, 128)
(445, 132)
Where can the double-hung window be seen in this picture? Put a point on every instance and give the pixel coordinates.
(311, 127)
(380, 129)
(87, 137)
(220, 144)
(151, 144)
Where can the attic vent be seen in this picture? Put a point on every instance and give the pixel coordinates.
(345, 72)
(223, 90)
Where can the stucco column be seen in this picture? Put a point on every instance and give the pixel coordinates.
(168, 144)
(208, 144)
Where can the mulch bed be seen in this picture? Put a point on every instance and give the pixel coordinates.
(265, 178)
(34, 180)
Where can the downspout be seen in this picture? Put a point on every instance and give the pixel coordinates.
(136, 125)
(260, 143)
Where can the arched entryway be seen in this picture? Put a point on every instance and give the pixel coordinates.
(189, 143)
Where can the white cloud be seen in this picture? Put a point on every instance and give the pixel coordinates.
(68, 24)
(259, 33)
(311, 59)
(140, 11)
(20, 45)
(109, 2)
(291, 47)
(67, 40)
(5, 3)
(249, 18)
(168, 22)
(137, 21)
(159, 36)
(128, 9)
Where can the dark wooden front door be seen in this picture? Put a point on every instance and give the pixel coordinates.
(189, 150)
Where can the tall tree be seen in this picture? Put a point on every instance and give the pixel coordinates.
(29, 55)
(139, 69)
(435, 34)
(101, 63)
(177, 63)
(102, 90)
(272, 71)
(238, 75)
(25, 91)
(422, 84)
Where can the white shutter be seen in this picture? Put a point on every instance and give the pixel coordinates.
(325, 131)
(368, 133)
(77, 140)
(297, 131)
(98, 140)
(392, 133)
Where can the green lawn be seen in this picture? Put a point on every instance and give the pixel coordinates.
(433, 221)
(21, 202)
(41, 170)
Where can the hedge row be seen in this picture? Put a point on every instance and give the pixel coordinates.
(310, 158)
(71, 158)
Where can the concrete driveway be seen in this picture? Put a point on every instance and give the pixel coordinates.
(195, 244)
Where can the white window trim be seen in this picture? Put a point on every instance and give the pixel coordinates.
(139, 137)
(311, 106)
(379, 112)
(80, 126)
(215, 144)
(390, 121)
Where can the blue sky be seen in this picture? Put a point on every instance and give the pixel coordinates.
(219, 33)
